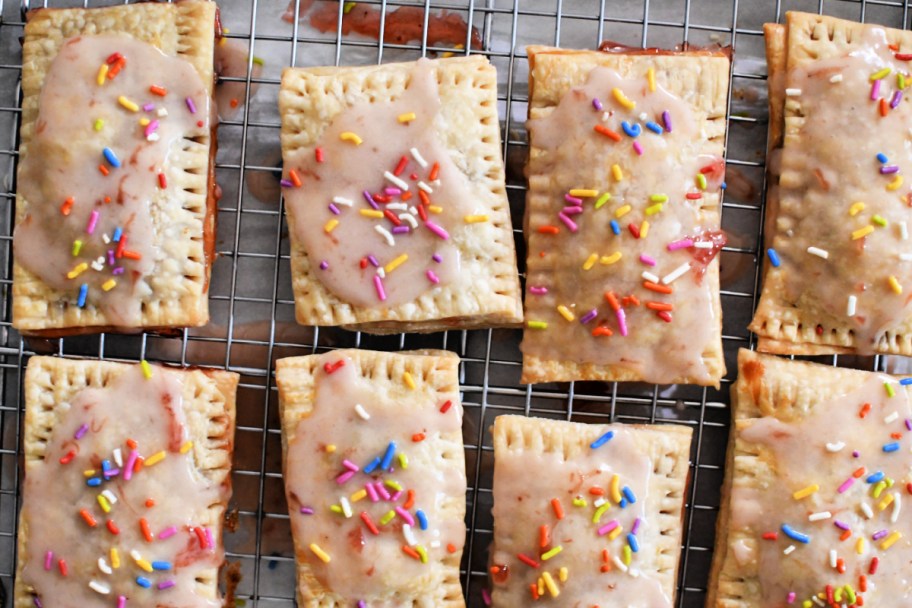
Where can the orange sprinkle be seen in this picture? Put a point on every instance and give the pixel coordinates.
(150, 503)
(657, 287)
(131, 255)
(234, 103)
(434, 171)
(365, 517)
(67, 206)
(411, 552)
(131, 443)
(425, 199)
(884, 108)
(602, 330)
(61, 563)
(157, 90)
(548, 229)
(606, 567)
(630, 300)
(612, 300)
(606, 557)
(864, 410)
(103, 170)
(144, 528)
(603, 130)
(893, 47)
(407, 196)
(558, 508)
(318, 155)
(139, 464)
(596, 491)
(410, 501)
(840, 566)
(417, 437)
(88, 518)
(659, 306)
(862, 582)
(534, 589)
(107, 199)
(896, 435)
(544, 536)
(451, 548)
(859, 472)
(294, 177)
(116, 68)
(847, 534)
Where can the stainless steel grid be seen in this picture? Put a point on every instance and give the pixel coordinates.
(252, 307)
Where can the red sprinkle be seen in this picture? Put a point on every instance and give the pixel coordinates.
(840, 563)
(366, 518)
(534, 589)
(363, 263)
(664, 315)
(63, 567)
(118, 253)
(527, 560)
(162, 181)
(903, 56)
(68, 457)
(634, 230)
(382, 198)
(112, 58)
(201, 537)
(829, 594)
(425, 199)
(403, 163)
(692, 196)
(112, 527)
(330, 368)
(422, 213)
(318, 155)
(446, 407)
(909, 487)
(770, 536)
(872, 569)
(392, 217)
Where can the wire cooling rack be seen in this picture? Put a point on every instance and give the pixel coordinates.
(250, 296)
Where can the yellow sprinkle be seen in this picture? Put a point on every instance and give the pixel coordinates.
(407, 117)
(583, 193)
(330, 225)
(622, 211)
(651, 79)
(99, 124)
(109, 285)
(115, 558)
(856, 208)
(146, 369)
(186, 447)
(126, 103)
(352, 137)
(144, 122)
(890, 540)
(88, 472)
(319, 552)
(615, 489)
(396, 263)
(597, 516)
(154, 458)
(579, 501)
(805, 492)
(550, 584)
(144, 564)
(392, 484)
(628, 555)
(644, 229)
(78, 270)
(541, 586)
(330, 448)
(590, 261)
(475, 219)
(77, 247)
(387, 517)
(880, 74)
(551, 553)
(422, 553)
(407, 378)
(435, 208)
(653, 209)
(622, 99)
(616, 172)
(374, 213)
(403, 461)
(566, 313)
(563, 574)
(102, 74)
(701, 181)
(602, 200)
(103, 503)
(886, 502)
(359, 495)
(537, 324)
(615, 533)
(894, 285)
(862, 232)
(607, 260)
(658, 198)
(860, 545)
(879, 487)
(896, 183)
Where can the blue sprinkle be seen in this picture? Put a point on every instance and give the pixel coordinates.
(602, 440)
(93, 482)
(422, 519)
(723, 185)
(633, 542)
(882, 157)
(795, 535)
(623, 503)
(875, 477)
(906, 381)
(615, 227)
(142, 581)
(628, 494)
(654, 127)
(83, 294)
(773, 257)
(371, 466)
(161, 565)
(388, 456)
(111, 157)
(105, 465)
(891, 447)
(117, 234)
(633, 130)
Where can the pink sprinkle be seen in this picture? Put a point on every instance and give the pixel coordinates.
(405, 515)
(93, 221)
(572, 210)
(381, 491)
(611, 525)
(351, 466)
(371, 492)
(121, 601)
(392, 191)
(432, 277)
(324, 265)
(682, 244)
(166, 584)
(897, 97)
(791, 597)
(210, 539)
(875, 90)
(568, 222)
(167, 533)
(378, 285)
(638, 148)
(486, 597)
(538, 290)
(437, 230)
(622, 321)
(648, 260)
(395, 497)
(848, 482)
(573, 200)
(151, 128)
(48, 560)
(191, 106)
(344, 477)
(664, 315)
(131, 462)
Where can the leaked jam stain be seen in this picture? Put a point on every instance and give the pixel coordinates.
(402, 25)
(702, 257)
(500, 574)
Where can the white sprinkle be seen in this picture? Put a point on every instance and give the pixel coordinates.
(617, 562)
(703, 245)
(866, 509)
(436, 183)
(850, 306)
(359, 409)
(676, 274)
(98, 265)
(434, 544)
(110, 496)
(817, 600)
(425, 187)
(835, 447)
(793, 92)
(820, 516)
(418, 158)
(397, 207)
(891, 418)
(409, 535)
(606, 116)
(381, 272)
(634, 572)
(820, 253)
(905, 257)
(789, 549)
(412, 210)
(650, 277)
(118, 457)
(408, 217)
(346, 507)
(396, 181)
(897, 507)
(385, 234)
(836, 78)
(99, 587)
(103, 566)
(644, 116)
(903, 231)
(341, 200)
(598, 502)
(135, 555)
(832, 558)
(152, 137)
(106, 238)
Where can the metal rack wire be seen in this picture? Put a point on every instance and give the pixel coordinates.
(252, 308)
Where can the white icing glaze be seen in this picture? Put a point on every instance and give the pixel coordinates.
(349, 170)
(63, 158)
(798, 454)
(656, 350)
(149, 411)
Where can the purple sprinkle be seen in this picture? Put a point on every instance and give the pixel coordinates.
(589, 316)
(285, 183)
(538, 290)
(573, 200)
(841, 525)
(324, 265)
(908, 424)
(166, 584)
(878, 535)
(111, 473)
(568, 222)
(119, 270)
(334, 209)
(572, 210)
(306, 511)
(436, 257)
(167, 533)
(111, 261)
(666, 120)
(191, 106)
(888, 169)
(875, 90)
(636, 526)
(374, 262)
(597, 104)
(856, 453)
(148, 107)
(401, 230)
(432, 277)
(638, 148)
(392, 191)
(370, 200)
(38, 602)
(362, 604)
(897, 97)
(81, 431)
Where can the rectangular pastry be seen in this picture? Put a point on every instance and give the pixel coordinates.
(590, 514)
(375, 477)
(818, 470)
(127, 478)
(622, 216)
(394, 188)
(839, 265)
(116, 198)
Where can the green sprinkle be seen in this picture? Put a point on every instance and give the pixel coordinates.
(99, 124)
(335, 509)
(579, 502)
(393, 485)
(387, 517)
(597, 516)
(537, 324)
(889, 389)
(258, 60)
(659, 198)
(900, 80)
(879, 220)
(628, 555)
(602, 200)
(77, 247)
(881, 74)
(403, 461)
